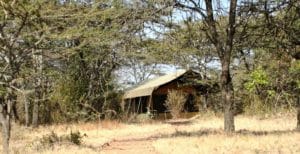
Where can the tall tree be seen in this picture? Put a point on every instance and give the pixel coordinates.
(91, 39)
(18, 31)
(223, 43)
(282, 24)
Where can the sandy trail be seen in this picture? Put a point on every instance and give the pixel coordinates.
(140, 144)
(130, 146)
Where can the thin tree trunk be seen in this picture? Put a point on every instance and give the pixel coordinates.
(38, 66)
(35, 110)
(35, 114)
(298, 114)
(205, 99)
(26, 108)
(5, 121)
(227, 98)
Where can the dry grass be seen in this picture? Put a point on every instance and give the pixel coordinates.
(253, 135)
(201, 135)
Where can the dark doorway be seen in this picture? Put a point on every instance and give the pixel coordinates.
(159, 103)
(190, 105)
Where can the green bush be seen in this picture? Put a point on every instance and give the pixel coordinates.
(76, 137)
(50, 140)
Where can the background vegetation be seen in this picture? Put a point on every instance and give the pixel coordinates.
(64, 60)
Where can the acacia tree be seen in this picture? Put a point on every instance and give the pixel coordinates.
(18, 31)
(223, 43)
(92, 39)
(281, 24)
(288, 23)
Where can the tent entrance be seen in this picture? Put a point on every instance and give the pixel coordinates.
(159, 103)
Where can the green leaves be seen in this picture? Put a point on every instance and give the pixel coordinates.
(258, 78)
(294, 71)
(2, 91)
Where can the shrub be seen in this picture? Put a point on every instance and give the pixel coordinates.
(49, 140)
(175, 102)
(76, 137)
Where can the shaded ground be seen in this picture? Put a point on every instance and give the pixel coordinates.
(203, 134)
(142, 144)
(178, 133)
(130, 146)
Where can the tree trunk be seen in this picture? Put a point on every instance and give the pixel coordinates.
(26, 108)
(227, 98)
(226, 81)
(35, 114)
(35, 110)
(5, 121)
(38, 67)
(298, 114)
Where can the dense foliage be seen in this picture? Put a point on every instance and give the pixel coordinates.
(64, 60)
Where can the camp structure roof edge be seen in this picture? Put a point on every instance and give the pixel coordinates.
(148, 87)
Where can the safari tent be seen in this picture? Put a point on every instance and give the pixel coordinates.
(153, 94)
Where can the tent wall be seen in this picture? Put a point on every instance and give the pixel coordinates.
(137, 105)
(154, 93)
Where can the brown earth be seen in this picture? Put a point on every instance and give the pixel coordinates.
(203, 134)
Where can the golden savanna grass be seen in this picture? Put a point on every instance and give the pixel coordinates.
(198, 135)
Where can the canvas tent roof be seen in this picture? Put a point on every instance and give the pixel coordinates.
(147, 88)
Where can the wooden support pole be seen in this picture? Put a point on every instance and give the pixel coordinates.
(150, 103)
(139, 103)
(134, 105)
(129, 104)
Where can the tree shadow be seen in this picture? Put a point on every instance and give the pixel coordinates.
(263, 133)
(243, 132)
(207, 132)
(181, 122)
(202, 132)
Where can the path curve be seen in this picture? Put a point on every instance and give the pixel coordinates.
(130, 146)
(141, 144)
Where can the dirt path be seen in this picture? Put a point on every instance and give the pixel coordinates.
(130, 146)
(141, 144)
